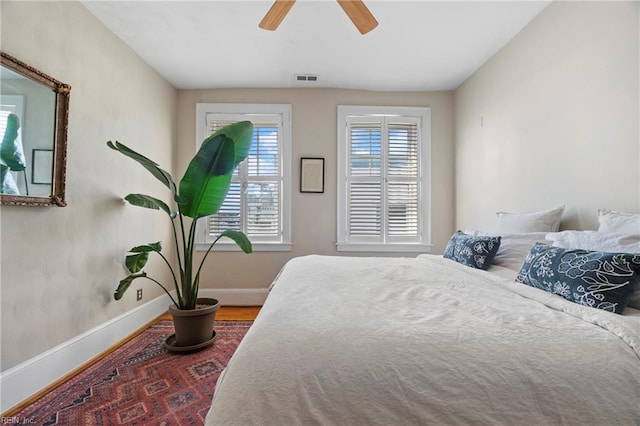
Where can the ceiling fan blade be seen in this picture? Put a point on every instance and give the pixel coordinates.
(276, 14)
(359, 15)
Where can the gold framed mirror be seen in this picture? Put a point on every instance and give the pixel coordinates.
(34, 111)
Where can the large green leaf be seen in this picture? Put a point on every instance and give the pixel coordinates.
(205, 184)
(11, 151)
(140, 254)
(160, 174)
(240, 239)
(217, 188)
(125, 283)
(242, 135)
(147, 248)
(149, 202)
(136, 261)
(206, 181)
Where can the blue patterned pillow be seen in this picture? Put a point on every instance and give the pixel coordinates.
(591, 278)
(476, 251)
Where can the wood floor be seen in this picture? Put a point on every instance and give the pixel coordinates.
(230, 313)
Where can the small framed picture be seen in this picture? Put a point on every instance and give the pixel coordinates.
(42, 166)
(312, 175)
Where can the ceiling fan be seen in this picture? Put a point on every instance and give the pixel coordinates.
(355, 10)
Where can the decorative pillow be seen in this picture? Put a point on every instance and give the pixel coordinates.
(470, 250)
(618, 222)
(543, 221)
(591, 278)
(596, 240)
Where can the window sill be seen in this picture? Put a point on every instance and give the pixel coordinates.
(389, 248)
(228, 246)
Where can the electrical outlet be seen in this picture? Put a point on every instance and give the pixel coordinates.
(139, 294)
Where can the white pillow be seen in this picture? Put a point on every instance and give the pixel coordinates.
(597, 241)
(618, 222)
(517, 223)
(513, 247)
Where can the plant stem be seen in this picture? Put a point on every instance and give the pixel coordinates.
(170, 269)
(175, 238)
(185, 275)
(190, 246)
(165, 290)
(205, 256)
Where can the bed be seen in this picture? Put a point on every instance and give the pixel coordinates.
(427, 340)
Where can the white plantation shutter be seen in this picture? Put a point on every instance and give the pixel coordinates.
(402, 209)
(254, 204)
(382, 197)
(264, 183)
(365, 209)
(365, 184)
(228, 216)
(403, 179)
(4, 115)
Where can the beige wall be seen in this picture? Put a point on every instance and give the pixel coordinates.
(560, 105)
(60, 266)
(314, 133)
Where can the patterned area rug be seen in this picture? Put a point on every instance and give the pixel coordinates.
(141, 383)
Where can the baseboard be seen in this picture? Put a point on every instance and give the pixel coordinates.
(236, 296)
(30, 377)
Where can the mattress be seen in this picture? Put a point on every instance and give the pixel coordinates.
(414, 341)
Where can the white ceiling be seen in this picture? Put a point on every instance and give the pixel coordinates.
(417, 46)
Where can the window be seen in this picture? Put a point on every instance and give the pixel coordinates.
(258, 202)
(14, 182)
(383, 178)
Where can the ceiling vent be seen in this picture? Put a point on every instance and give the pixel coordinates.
(306, 78)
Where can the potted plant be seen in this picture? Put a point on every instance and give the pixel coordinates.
(201, 192)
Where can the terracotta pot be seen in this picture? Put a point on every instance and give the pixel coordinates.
(194, 326)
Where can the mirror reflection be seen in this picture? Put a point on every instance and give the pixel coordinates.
(33, 132)
(27, 114)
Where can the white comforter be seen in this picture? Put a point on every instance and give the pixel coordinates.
(398, 341)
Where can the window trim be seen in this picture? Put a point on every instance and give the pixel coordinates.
(424, 115)
(202, 132)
